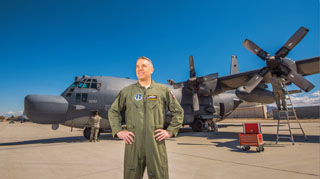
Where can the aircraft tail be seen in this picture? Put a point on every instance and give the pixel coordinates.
(234, 68)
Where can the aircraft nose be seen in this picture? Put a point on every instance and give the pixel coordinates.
(45, 109)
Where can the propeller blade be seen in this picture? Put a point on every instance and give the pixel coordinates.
(300, 81)
(195, 100)
(191, 65)
(252, 47)
(292, 42)
(255, 80)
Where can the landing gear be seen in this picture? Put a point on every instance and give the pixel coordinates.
(87, 132)
(200, 125)
(197, 125)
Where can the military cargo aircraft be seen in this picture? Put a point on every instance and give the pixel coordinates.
(205, 100)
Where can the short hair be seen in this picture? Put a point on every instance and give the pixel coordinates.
(146, 58)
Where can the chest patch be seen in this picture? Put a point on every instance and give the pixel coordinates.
(152, 97)
(138, 97)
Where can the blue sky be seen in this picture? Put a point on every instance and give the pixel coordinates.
(45, 44)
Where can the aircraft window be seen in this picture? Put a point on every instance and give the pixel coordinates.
(86, 85)
(94, 85)
(80, 85)
(74, 84)
(89, 80)
(94, 80)
(78, 96)
(84, 97)
(68, 95)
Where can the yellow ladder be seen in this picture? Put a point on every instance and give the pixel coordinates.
(288, 114)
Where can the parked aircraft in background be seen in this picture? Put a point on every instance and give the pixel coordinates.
(205, 100)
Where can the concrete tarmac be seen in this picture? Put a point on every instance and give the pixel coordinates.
(34, 151)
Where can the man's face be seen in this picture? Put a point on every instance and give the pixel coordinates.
(143, 69)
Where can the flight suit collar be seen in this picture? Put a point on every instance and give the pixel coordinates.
(150, 87)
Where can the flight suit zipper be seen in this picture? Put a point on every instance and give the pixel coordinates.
(145, 120)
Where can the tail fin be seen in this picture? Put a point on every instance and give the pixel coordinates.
(234, 65)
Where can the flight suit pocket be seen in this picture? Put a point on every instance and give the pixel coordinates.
(153, 104)
(130, 158)
(162, 153)
(137, 103)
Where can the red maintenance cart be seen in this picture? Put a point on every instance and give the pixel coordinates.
(251, 136)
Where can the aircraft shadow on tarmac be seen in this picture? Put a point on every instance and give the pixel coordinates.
(233, 143)
(72, 139)
(186, 131)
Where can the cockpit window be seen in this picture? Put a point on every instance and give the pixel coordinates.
(84, 97)
(80, 85)
(78, 96)
(94, 85)
(74, 84)
(86, 85)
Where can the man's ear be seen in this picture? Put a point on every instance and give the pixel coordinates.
(152, 70)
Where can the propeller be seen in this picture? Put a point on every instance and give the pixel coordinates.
(194, 85)
(275, 64)
(206, 82)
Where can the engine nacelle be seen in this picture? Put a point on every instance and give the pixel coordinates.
(257, 96)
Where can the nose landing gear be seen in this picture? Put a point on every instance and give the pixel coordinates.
(200, 125)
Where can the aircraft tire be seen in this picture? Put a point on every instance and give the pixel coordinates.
(87, 132)
(197, 125)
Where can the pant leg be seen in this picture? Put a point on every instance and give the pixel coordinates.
(134, 162)
(283, 100)
(277, 98)
(96, 131)
(92, 132)
(157, 161)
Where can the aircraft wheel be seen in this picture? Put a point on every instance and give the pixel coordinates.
(87, 132)
(258, 149)
(197, 125)
(245, 148)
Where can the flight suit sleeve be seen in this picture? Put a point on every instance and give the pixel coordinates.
(114, 114)
(176, 113)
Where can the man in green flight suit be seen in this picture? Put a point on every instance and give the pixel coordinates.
(145, 104)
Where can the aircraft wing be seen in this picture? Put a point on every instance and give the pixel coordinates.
(304, 67)
(234, 81)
